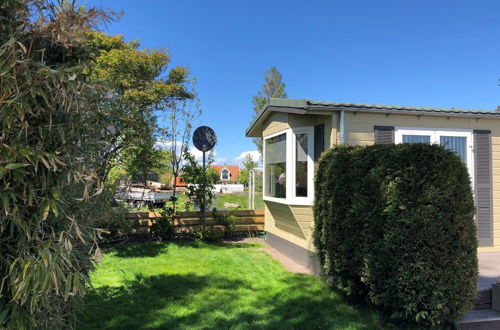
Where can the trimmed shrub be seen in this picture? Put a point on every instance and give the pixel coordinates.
(395, 224)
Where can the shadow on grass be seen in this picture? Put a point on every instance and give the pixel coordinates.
(215, 246)
(139, 250)
(153, 249)
(214, 302)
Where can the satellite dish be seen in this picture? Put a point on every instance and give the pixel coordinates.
(204, 138)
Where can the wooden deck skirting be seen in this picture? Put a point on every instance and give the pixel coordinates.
(185, 222)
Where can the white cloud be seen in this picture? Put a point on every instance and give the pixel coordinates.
(256, 156)
(165, 145)
(198, 155)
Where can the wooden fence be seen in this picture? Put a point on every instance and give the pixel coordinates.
(247, 221)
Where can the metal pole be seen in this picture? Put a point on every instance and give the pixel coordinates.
(249, 192)
(202, 210)
(253, 190)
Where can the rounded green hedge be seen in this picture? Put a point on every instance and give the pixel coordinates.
(395, 224)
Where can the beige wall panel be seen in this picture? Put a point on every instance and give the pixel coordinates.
(364, 122)
(284, 219)
(276, 122)
(305, 218)
(281, 221)
(306, 225)
(334, 133)
(303, 210)
(362, 136)
(295, 120)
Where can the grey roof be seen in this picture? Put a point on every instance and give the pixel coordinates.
(399, 107)
(338, 106)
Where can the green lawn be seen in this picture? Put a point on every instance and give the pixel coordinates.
(218, 203)
(200, 286)
(241, 199)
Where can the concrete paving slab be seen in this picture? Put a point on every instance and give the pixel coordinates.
(482, 319)
(489, 269)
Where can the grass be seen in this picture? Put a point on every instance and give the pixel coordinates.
(201, 286)
(218, 202)
(240, 199)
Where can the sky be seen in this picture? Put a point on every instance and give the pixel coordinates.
(436, 53)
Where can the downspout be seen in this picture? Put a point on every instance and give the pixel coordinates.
(342, 127)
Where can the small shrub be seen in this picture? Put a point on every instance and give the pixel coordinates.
(394, 224)
(202, 180)
(208, 234)
(163, 229)
(228, 223)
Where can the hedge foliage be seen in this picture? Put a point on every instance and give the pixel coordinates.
(395, 224)
(51, 126)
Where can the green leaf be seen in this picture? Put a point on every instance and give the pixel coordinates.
(3, 316)
(13, 166)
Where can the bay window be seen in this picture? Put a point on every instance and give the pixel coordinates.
(289, 166)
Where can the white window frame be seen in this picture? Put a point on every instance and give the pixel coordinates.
(300, 200)
(291, 151)
(288, 169)
(435, 134)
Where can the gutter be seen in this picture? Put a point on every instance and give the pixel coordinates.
(341, 127)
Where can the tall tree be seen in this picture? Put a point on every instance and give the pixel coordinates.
(142, 88)
(248, 165)
(177, 134)
(273, 87)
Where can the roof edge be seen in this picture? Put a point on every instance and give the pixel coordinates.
(288, 105)
(276, 103)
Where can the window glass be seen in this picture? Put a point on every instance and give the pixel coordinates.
(225, 174)
(416, 139)
(301, 165)
(275, 158)
(457, 144)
